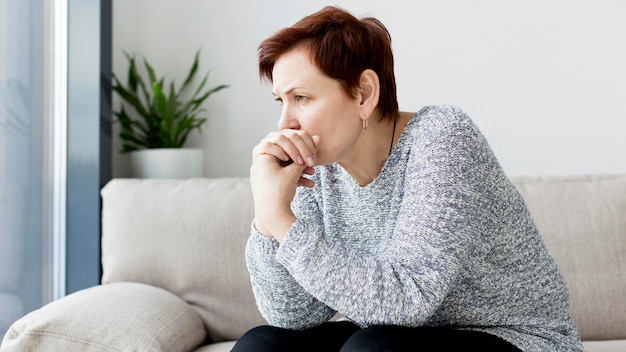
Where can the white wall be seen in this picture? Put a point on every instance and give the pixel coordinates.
(545, 80)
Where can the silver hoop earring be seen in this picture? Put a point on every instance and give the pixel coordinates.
(364, 123)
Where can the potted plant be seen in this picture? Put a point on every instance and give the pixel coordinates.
(154, 132)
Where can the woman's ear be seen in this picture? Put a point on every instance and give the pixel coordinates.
(369, 93)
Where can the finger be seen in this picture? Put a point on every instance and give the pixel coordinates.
(306, 182)
(277, 144)
(284, 163)
(316, 140)
(305, 151)
(266, 147)
(291, 145)
(297, 145)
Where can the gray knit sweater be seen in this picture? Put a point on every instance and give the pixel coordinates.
(440, 237)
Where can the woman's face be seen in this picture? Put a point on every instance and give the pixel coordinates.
(316, 103)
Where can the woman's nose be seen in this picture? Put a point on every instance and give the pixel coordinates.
(287, 120)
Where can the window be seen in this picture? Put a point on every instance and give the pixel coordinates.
(54, 148)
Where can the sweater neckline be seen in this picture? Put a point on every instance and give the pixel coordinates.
(392, 160)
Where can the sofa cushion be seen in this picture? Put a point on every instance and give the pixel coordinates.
(220, 347)
(582, 220)
(188, 237)
(604, 346)
(109, 318)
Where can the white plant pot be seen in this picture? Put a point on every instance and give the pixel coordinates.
(166, 163)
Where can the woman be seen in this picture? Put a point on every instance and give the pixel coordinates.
(402, 222)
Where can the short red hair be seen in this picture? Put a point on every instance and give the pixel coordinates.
(342, 47)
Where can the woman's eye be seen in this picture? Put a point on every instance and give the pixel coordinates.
(279, 100)
(300, 98)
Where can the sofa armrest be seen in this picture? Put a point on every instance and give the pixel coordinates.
(120, 316)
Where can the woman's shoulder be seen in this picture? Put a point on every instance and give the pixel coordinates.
(434, 120)
(439, 116)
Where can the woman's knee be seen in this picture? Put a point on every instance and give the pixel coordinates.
(370, 339)
(264, 338)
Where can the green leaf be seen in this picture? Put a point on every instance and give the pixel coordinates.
(159, 118)
(133, 76)
(192, 72)
(159, 99)
(128, 148)
(150, 71)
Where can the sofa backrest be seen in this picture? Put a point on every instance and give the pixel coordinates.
(188, 237)
(582, 220)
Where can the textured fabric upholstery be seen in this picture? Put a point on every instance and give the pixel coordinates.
(583, 222)
(187, 237)
(597, 346)
(219, 347)
(109, 318)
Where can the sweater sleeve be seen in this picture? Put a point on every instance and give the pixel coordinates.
(280, 299)
(438, 222)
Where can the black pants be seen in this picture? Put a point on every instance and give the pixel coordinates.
(347, 337)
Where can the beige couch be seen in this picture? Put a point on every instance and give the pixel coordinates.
(174, 277)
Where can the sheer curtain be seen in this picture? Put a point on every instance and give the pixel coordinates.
(33, 64)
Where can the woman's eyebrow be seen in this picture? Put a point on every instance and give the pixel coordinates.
(288, 91)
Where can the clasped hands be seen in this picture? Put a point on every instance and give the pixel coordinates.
(279, 163)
